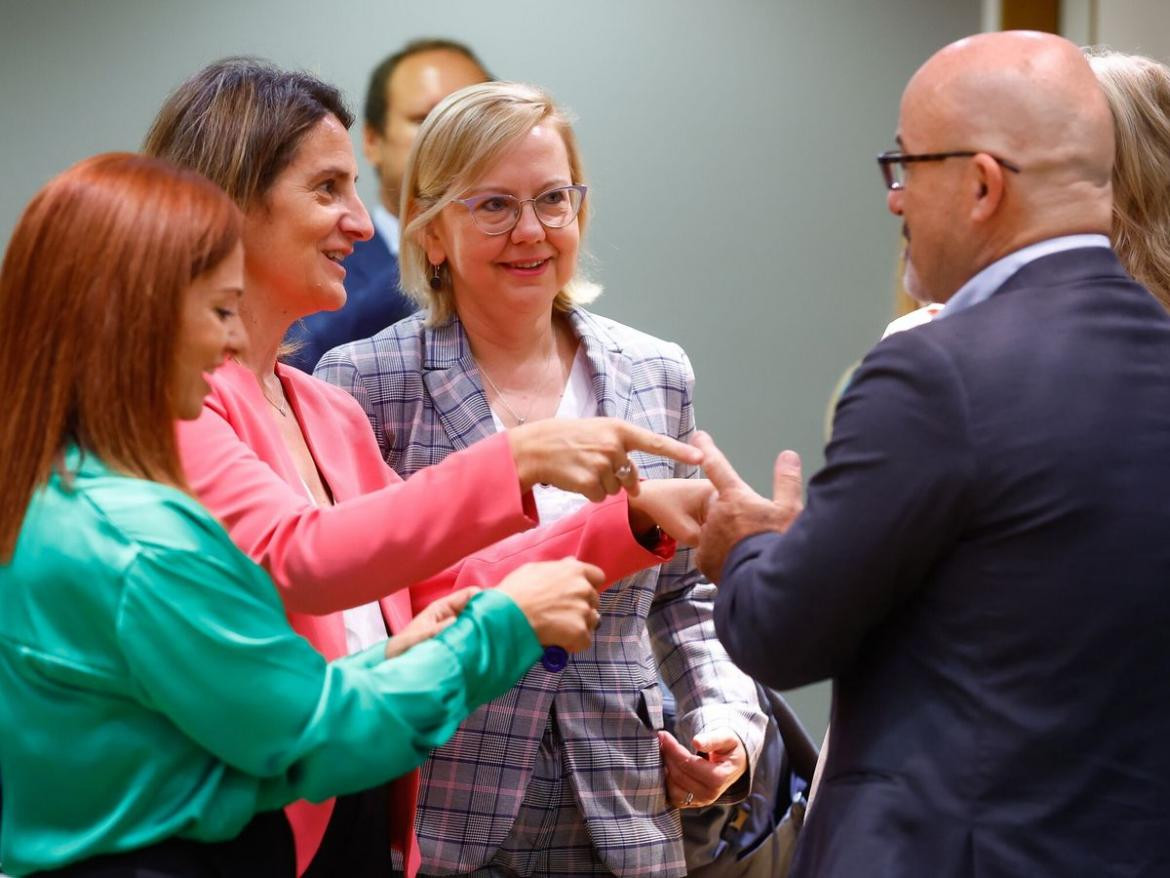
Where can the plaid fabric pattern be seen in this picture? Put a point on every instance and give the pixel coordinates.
(423, 394)
(548, 837)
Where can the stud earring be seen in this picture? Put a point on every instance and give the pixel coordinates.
(436, 280)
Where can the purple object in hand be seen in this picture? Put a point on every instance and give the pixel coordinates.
(554, 659)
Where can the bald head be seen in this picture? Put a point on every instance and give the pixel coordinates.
(1026, 96)
(1029, 138)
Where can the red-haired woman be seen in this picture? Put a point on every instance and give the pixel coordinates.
(158, 708)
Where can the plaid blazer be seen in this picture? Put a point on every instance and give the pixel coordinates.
(423, 394)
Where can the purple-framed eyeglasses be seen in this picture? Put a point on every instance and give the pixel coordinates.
(893, 163)
(497, 214)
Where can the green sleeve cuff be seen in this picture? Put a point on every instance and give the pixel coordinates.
(494, 644)
(370, 657)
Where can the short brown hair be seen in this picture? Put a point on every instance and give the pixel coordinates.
(459, 141)
(1138, 90)
(239, 122)
(91, 296)
(378, 91)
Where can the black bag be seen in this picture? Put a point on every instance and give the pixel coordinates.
(755, 838)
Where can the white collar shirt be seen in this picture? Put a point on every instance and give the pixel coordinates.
(387, 225)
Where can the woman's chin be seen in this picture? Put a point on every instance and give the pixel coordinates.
(330, 297)
(190, 409)
(529, 294)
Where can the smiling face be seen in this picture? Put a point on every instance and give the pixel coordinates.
(306, 224)
(525, 268)
(210, 331)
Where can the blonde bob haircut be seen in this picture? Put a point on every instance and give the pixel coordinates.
(1138, 90)
(463, 136)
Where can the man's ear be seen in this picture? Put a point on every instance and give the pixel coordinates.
(988, 184)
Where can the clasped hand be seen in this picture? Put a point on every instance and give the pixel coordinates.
(560, 600)
(695, 781)
(430, 621)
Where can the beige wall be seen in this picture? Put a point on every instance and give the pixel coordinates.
(737, 207)
(1139, 26)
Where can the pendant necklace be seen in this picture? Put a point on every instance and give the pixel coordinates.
(520, 420)
(282, 406)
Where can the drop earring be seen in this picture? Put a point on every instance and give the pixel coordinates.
(436, 280)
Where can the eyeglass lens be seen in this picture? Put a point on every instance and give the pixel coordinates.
(555, 209)
(895, 174)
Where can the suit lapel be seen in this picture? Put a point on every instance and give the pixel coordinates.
(452, 379)
(317, 421)
(453, 382)
(607, 364)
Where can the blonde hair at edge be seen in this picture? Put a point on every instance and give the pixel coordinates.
(464, 135)
(1138, 90)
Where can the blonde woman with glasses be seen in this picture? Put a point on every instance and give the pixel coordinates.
(571, 772)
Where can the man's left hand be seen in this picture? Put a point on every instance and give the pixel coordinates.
(738, 511)
(693, 781)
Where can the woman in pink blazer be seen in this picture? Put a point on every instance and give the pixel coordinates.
(289, 464)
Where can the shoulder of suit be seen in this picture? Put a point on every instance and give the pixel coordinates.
(311, 387)
(633, 343)
(940, 354)
(399, 347)
(148, 515)
(386, 367)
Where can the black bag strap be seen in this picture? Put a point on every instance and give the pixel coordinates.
(798, 743)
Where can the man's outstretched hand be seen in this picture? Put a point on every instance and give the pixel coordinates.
(736, 511)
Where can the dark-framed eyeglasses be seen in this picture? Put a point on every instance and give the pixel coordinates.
(893, 163)
(497, 214)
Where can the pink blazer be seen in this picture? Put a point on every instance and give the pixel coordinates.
(383, 534)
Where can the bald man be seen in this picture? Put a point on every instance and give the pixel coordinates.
(983, 565)
(403, 89)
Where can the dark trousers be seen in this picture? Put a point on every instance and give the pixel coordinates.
(357, 840)
(356, 845)
(264, 850)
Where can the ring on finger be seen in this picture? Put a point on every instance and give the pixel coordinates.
(610, 483)
(623, 471)
(690, 798)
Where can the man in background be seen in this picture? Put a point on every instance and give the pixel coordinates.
(982, 566)
(403, 89)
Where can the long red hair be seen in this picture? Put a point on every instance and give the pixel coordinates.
(91, 294)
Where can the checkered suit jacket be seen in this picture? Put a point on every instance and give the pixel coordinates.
(423, 394)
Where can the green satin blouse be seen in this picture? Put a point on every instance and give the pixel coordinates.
(152, 686)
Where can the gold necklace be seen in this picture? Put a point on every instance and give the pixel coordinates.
(282, 409)
(521, 420)
(282, 406)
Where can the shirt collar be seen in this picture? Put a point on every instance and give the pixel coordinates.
(982, 286)
(387, 225)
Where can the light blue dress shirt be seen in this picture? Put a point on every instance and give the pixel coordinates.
(984, 285)
(387, 225)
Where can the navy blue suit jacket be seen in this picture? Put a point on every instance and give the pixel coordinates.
(983, 567)
(373, 302)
